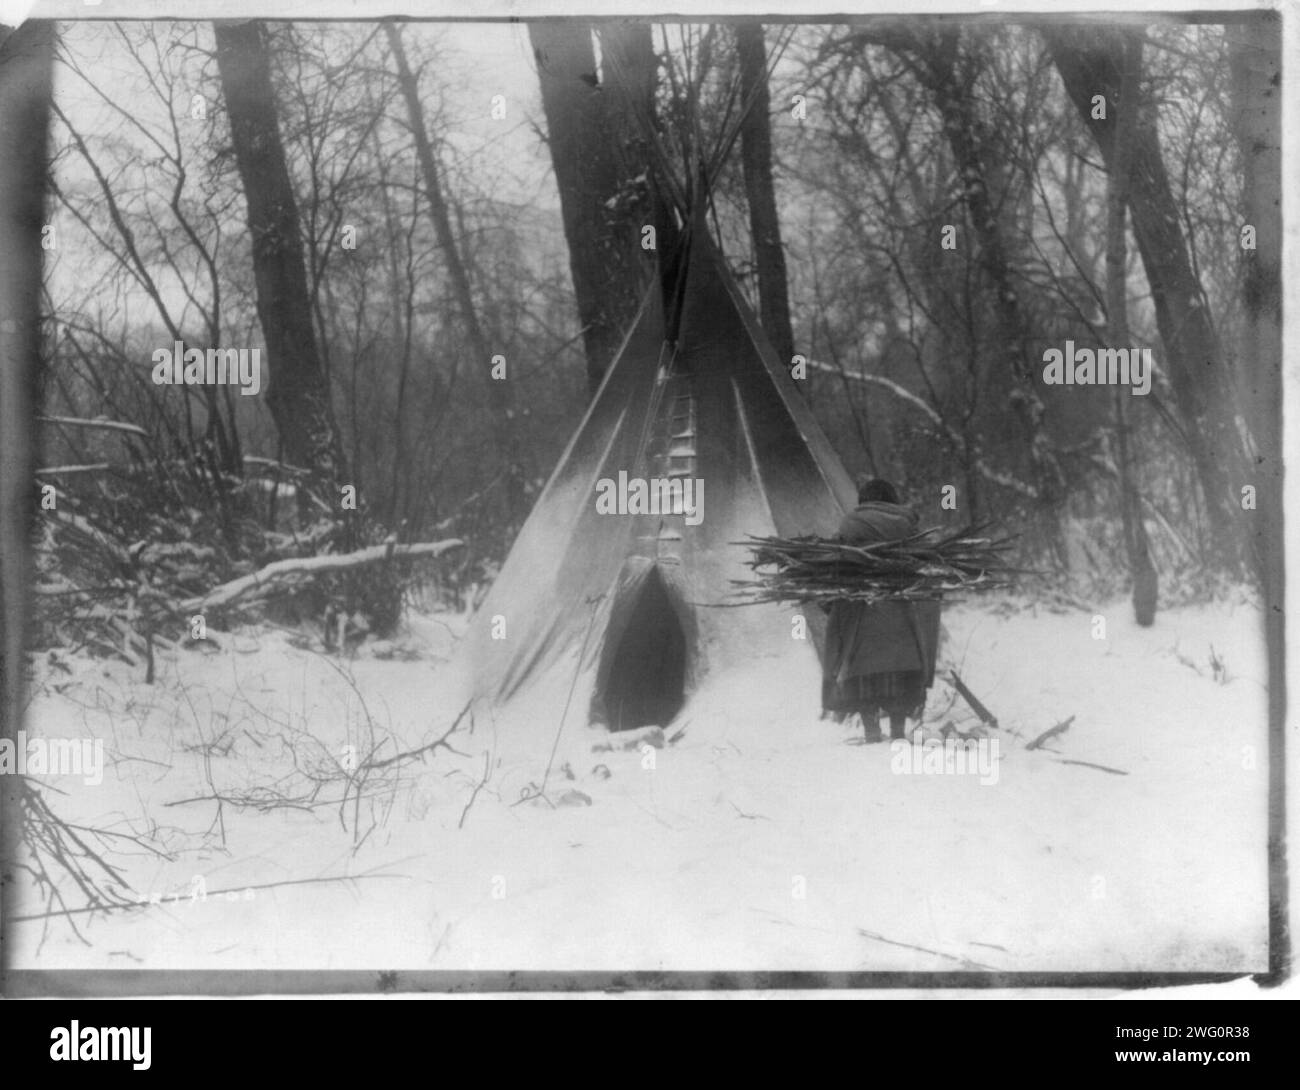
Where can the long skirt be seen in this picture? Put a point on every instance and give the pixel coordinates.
(900, 692)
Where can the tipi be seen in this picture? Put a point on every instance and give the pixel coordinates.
(696, 394)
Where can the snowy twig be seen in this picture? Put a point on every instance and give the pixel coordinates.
(208, 893)
(482, 783)
(412, 754)
(91, 533)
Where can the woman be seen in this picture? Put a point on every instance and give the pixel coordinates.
(879, 657)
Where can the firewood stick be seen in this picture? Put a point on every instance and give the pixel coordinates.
(986, 716)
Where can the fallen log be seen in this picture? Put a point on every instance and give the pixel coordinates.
(266, 577)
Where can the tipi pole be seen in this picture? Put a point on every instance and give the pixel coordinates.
(577, 670)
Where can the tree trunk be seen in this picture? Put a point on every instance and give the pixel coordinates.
(399, 298)
(760, 195)
(26, 81)
(499, 391)
(1136, 547)
(595, 131)
(298, 394)
(1256, 66)
(1088, 62)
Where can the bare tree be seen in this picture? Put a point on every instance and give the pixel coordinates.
(499, 389)
(161, 231)
(949, 73)
(946, 62)
(756, 161)
(1136, 546)
(299, 390)
(1089, 65)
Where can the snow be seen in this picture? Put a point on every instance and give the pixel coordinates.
(761, 838)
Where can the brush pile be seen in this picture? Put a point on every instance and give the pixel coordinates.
(925, 566)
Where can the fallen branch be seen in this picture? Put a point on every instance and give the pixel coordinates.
(1051, 732)
(314, 565)
(985, 716)
(207, 894)
(923, 949)
(261, 798)
(1089, 764)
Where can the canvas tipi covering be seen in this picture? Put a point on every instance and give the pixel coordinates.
(637, 603)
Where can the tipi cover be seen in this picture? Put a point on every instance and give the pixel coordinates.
(643, 597)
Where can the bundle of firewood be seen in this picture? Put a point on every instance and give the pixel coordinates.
(927, 565)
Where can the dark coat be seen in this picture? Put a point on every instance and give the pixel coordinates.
(887, 637)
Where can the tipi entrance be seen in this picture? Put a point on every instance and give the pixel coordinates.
(644, 672)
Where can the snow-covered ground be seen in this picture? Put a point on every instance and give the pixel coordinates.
(762, 838)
